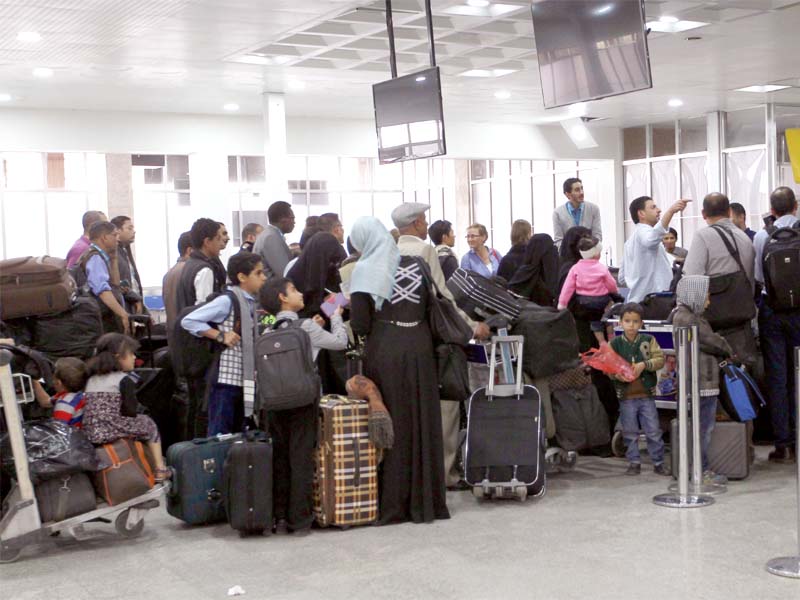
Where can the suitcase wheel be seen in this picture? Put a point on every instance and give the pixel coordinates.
(9, 555)
(121, 525)
(521, 492)
(477, 491)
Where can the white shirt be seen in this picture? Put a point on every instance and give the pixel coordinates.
(203, 284)
(646, 266)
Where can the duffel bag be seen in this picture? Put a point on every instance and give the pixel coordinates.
(31, 286)
(581, 421)
(480, 297)
(73, 332)
(739, 394)
(129, 474)
(551, 340)
(66, 497)
(658, 306)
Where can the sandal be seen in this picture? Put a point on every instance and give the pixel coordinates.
(162, 475)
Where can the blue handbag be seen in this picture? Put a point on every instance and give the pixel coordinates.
(739, 394)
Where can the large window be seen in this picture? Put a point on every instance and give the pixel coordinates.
(43, 197)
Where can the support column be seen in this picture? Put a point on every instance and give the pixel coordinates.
(119, 186)
(715, 137)
(275, 153)
(772, 148)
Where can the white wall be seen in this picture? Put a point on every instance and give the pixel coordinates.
(167, 133)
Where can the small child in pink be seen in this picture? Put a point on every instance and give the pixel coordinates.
(593, 287)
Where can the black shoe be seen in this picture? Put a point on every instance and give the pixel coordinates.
(634, 469)
(782, 455)
(662, 470)
(461, 486)
(281, 527)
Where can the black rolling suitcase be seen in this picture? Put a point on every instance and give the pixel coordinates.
(504, 453)
(248, 484)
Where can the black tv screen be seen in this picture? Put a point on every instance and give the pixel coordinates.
(409, 118)
(590, 49)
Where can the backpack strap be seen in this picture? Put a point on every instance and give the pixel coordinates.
(733, 249)
(237, 312)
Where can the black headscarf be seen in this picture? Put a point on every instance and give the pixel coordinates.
(537, 278)
(317, 269)
(569, 253)
(512, 261)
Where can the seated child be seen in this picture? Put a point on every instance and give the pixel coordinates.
(110, 412)
(637, 407)
(692, 298)
(69, 379)
(294, 430)
(591, 283)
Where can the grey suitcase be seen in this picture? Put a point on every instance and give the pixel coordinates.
(730, 453)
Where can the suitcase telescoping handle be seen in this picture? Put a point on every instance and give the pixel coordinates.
(510, 388)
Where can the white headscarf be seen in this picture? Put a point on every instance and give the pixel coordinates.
(692, 291)
(374, 272)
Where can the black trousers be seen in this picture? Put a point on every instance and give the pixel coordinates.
(197, 411)
(294, 434)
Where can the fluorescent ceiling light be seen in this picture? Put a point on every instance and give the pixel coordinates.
(5, 97)
(231, 107)
(252, 59)
(762, 89)
(487, 72)
(675, 102)
(481, 10)
(28, 36)
(502, 94)
(42, 72)
(579, 133)
(478, 3)
(296, 85)
(674, 27)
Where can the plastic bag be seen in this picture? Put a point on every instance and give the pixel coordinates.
(54, 449)
(609, 362)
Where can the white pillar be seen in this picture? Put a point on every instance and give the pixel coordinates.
(715, 136)
(275, 154)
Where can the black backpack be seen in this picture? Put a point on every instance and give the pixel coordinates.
(285, 373)
(192, 356)
(781, 265)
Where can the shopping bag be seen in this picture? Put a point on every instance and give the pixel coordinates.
(609, 362)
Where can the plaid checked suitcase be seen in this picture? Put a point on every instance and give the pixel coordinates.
(346, 464)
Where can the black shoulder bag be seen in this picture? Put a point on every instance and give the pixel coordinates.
(731, 294)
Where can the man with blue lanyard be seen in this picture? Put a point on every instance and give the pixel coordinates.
(102, 276)
(575, 212)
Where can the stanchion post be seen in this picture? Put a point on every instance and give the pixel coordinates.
(683, 499)
(789, 566)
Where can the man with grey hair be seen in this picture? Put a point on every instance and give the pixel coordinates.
(82, 244)
(409, 218)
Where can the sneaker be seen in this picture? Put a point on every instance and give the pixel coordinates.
(634, 469)
(781, 455)
(709, 477)
(662, 470)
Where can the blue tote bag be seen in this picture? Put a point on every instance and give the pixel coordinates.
(739, 394)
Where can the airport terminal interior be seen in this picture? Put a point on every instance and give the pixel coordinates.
(488, 112)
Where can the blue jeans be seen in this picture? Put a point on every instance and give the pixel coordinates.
(637, 414)
(225, 409)
(780, 333)
(708, 418)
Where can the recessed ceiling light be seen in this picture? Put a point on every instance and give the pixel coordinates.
(5, 97)
(487, 72)
(668, 19)
(42, 72)
(763, 89)
(502, 94)
(675, 102)
(28, 36)
(231, 107)
(662, 26)
(478, 3)
(296, 85)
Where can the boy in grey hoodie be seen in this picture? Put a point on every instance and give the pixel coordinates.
(693, 298)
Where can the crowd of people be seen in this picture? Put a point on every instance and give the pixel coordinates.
(384, 274)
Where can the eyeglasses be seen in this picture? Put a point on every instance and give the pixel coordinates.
(472, 236)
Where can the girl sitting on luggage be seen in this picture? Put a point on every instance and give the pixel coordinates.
(111, 406)
(693, 298)
(69, 379)
(592, 285)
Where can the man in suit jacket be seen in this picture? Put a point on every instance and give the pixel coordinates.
(271, 243)
(575, 212)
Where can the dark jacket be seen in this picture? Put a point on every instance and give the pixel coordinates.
(316, 272)
(644, 349)
(185, 293)
(713, 347)
(512, 261)
(537, 278)
(129, 276)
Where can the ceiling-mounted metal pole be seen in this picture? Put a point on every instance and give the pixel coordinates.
(429, 22)
(390, 33)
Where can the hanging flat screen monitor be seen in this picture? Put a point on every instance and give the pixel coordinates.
(590, 49)
(409, 117)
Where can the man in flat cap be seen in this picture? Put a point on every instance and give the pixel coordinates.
(409, 218)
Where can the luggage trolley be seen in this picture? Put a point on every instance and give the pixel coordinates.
(21, 525)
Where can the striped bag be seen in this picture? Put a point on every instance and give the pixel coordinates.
(346, 473)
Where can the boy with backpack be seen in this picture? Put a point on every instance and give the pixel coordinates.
(232, 388)
(289, 389)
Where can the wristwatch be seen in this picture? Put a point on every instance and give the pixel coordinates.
(220, 338)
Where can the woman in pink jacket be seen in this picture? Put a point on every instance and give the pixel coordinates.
(592, 286)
